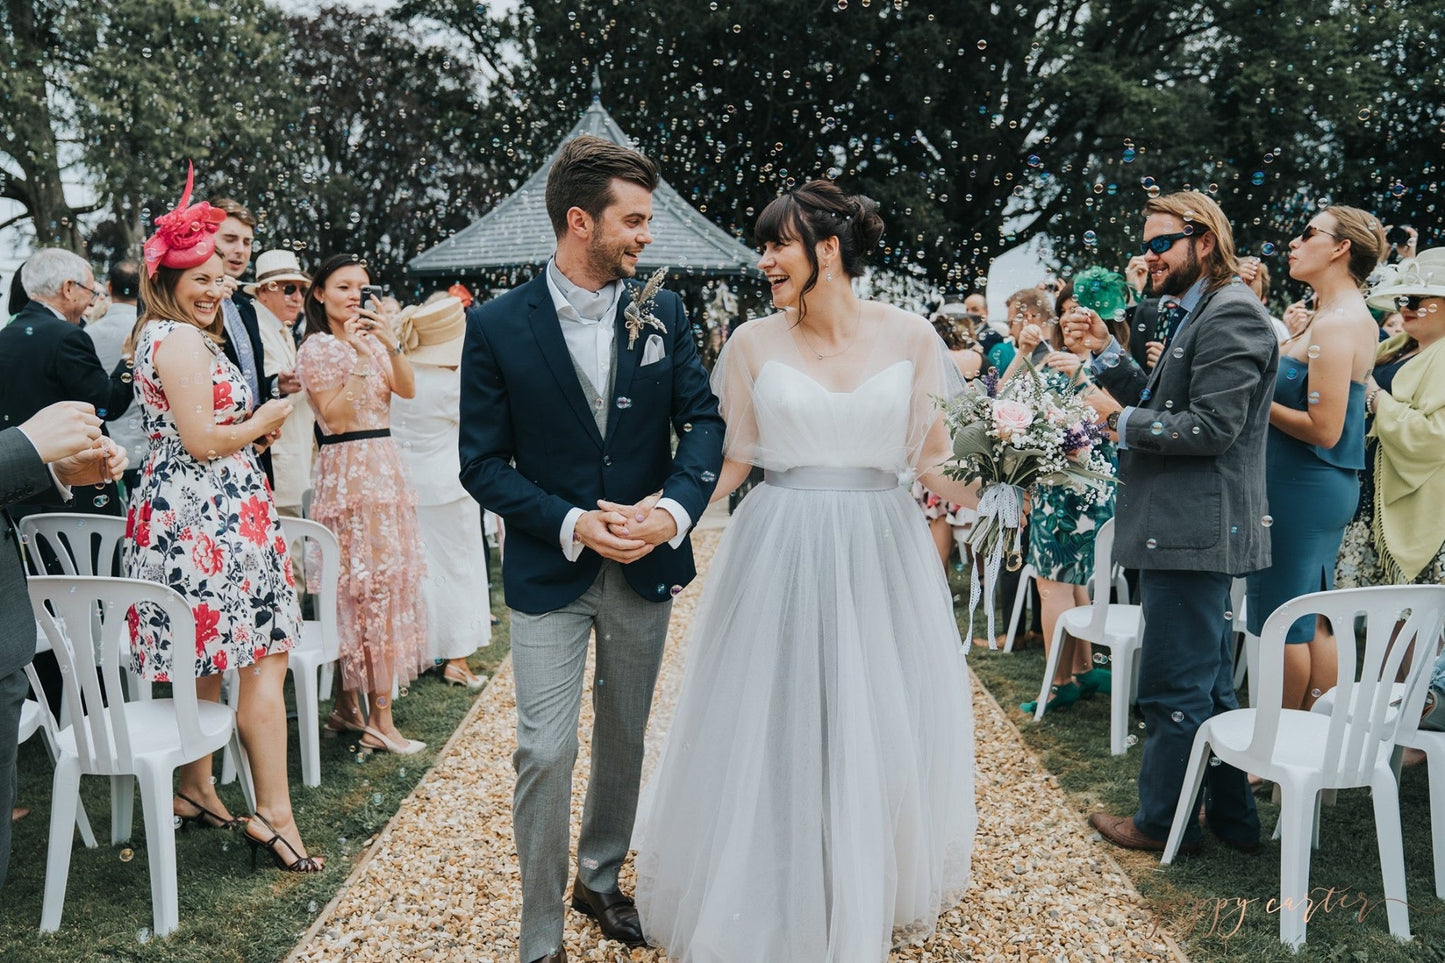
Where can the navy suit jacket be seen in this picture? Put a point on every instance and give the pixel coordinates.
(530, 449)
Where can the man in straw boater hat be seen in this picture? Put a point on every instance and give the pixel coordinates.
(571, 386)
(279, 292)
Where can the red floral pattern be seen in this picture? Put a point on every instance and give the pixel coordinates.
(208, 529)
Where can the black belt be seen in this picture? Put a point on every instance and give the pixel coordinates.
(341, 436)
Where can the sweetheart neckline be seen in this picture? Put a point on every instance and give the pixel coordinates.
(819, 385)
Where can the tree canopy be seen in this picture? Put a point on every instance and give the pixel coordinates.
(975, 125)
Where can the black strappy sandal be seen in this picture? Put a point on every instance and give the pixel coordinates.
(299, 864)
(205, 819)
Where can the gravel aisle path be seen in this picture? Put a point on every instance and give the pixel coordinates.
(441, 882)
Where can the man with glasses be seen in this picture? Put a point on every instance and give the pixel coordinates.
(45, 357)
(1191, 509)
(280, 293)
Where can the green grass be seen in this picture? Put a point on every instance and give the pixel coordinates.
(1200, 897)
(227, 911)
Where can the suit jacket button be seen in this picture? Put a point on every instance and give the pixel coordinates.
(607, 460)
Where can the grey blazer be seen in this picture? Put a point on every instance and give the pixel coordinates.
(1192, 495)
(23, 476)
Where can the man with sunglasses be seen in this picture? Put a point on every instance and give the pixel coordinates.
(46, 357)
(1191, 509)
(279, 293)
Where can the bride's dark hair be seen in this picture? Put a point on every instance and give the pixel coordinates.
(815, 212)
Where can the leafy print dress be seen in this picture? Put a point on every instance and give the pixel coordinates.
(209, 530)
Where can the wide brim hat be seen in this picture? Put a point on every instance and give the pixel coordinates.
(1422, 276)
(276, 266)
(433, 333)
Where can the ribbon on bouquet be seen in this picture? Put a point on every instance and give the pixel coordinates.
(1000, 513)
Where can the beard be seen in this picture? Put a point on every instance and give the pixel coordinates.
(606, 259)
(1180, 279)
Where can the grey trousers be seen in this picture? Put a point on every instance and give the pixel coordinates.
(13, 690)
(549, 654)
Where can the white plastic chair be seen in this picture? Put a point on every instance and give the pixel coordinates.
(35, 715)
(1026, 579)
(1246, 654)
(318, 647)
(1432, 744)
(82, 544)
(1350, 747)
(1115, 626)
(1021, 597)
(108, 735)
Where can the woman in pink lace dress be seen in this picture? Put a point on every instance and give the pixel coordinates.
(350, 366)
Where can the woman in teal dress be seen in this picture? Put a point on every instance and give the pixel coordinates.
(1316, 445)
(1063, 522)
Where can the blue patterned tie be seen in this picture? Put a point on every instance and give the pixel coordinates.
(236, 331)
(1171, 313)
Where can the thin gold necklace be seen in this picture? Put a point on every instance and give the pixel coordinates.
(857, 322)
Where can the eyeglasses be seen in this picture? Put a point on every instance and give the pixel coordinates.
(286, 289)
(95, 293)
(1162, 243)
(1310, 231)
(1410, 302)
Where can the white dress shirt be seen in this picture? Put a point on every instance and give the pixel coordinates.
(589, 342)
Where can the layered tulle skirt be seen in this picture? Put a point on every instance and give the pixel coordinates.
(814, 800)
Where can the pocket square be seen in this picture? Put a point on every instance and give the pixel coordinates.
(652, 351)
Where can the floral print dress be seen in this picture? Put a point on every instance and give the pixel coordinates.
(209, 530)
(359, 490)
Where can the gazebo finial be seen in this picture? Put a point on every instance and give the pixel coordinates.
(596, 84)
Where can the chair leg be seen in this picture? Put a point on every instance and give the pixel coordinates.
(122, 808)
(64, 797)
(308, 723)
(1126, 660)
(1020, 597)
(231, 696)
(1188, 808)
(160, 850)
(237, 749)
(1385, 794)
(1297, 807)
(82, 823)
(1050, 667)
(1435, 770)
(1251, 658)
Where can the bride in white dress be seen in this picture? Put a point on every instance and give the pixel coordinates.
(814, 800)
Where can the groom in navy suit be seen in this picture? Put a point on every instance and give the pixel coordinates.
(572, 390)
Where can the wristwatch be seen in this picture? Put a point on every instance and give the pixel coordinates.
(1112, 421)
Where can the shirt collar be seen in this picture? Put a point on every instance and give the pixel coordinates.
(1194, 295)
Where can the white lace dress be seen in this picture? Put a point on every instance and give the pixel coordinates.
(814, 799)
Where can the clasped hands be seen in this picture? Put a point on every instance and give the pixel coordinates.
(625, 533)
(1084, 333)
(68, 438)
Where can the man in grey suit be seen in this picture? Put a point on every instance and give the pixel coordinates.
(573, 389)
(65, 436)
(1191, 509)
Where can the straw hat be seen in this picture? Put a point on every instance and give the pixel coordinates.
(276, 266)
(1421, 276)
(432, 333)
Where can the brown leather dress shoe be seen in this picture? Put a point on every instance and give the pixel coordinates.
(615, 914)
(559, 957)
(1121, 831)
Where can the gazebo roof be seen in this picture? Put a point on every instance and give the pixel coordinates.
(517, 232)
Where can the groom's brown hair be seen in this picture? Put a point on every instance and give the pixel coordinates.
(582, 175)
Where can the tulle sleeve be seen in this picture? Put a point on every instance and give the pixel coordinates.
(733, 378)
(323, 363)
(936, 381)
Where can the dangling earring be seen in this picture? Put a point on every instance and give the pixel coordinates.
(829, 275)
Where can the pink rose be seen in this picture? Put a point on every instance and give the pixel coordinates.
(1011, 416)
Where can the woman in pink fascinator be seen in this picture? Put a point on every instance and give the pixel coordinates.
(202, 521)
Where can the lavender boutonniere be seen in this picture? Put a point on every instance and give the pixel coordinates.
(639, 313)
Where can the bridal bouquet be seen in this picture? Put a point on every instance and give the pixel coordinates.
(1023, 436)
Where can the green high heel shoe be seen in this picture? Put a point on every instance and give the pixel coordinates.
(1095, 680)
(1060, 697)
